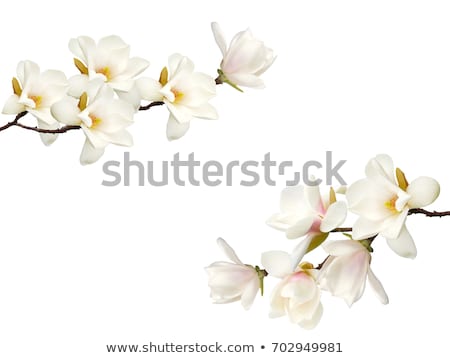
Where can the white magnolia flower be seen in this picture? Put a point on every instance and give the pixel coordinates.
(305, 212)
(102, 118)
(230, 282)
(346, 270)
(382, 201)
(244, 60)
(298, 294)
(35, 92)
(186, 94)
(109, 59)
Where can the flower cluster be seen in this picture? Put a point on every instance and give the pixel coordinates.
(104, 97)
(382, 201)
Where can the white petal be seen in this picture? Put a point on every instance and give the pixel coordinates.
(12, 105)
(423, 191)
(47, 139)
(219, 37)
(206, 111)
(342, 247)
(403, 245)
(364, 228)
(228, 250)
(300, 228)
(335, 216)
(178, 64)
(90, 154)
(77, 85)
(111, 42)
(245, 79)
(346, 276)
(133, 97)
(382, 165)
(123, 138)
(176, 130)
(300, 251)
(282, 222)
(315, 319)
(393, 225)
(314, 198)
(54, 77)
(181, 114)
(66, 111)
(149, 89)
(277, 263)
(249, 293)
(377, 287)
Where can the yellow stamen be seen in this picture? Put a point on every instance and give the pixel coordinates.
(401, 179)
(16, 86)
(105, 71)
(178, 95)
(81, 66)
(82, 104)
(95, 121)
(306, 266)
(390, 204)
(37, 100)
(332, 196)
(164, 76)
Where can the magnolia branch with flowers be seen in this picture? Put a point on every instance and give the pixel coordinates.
(103, 99)
(382, 202)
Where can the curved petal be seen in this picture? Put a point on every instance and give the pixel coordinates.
(315, 319)
(111, 42)
(293, 200)
(245, 79)
(382, 165)
(393, 225)
(377, 287)
(300, 251)
(47, 139)
(66, 111)
(335, 216)
(249, 293)
(149, 89)
(205, 111)
(423, 191)
(176, 130)
(277, 263)
(219, 37)
(364, 228)
(228, 250)
(342, 247)
(300, 228)
(12, 105)
(90, 154)
(403, 245)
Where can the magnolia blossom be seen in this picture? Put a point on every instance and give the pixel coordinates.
(234, 281)
(244, 60)
(186, 94)
(346, 270)
(102, 118)
(109, 59)
(382, 201)
(298, 294)
(35, 92)
(305, 212)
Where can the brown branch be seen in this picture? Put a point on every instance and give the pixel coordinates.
(150, 105)
(429, 213)
(63, 129)
(342, 229)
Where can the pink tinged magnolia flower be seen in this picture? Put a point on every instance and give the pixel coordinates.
(102, 118)
(185, 93)
(346, 270)
(244, 60)
(35, 92)
(304, 212)
(297, 295)
(382, 201)
(109, 59)
(232, 281)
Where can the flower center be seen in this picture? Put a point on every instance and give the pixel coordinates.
(178, 95)
(105, 71)
(95, 121)
(390, 204)
(37, 100)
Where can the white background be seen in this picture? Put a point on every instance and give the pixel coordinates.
(82, 265)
